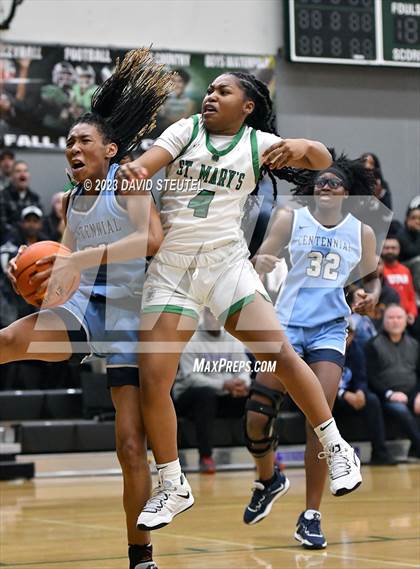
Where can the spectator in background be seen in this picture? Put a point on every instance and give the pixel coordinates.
(382, 191)
(354, 397)
(379, 208)
(26, 232)
(17, 196)
(415, 202)
(399, 277)
(393, 369)
(409, 236)
(178, 105)
(201, 394)
(388, 296)
(7, 160)
(362, 325)
(54, 223)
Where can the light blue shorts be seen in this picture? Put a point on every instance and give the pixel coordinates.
(320, 343)
(108, 327)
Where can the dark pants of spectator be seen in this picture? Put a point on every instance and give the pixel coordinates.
(404, 416)
(202, 405)
(373, 417)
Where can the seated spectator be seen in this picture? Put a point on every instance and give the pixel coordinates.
(54, 223)
(388, 296)
(362, 325)
(409, 240)
(28, 231)
(7, 160)
(399, 277)
(354, 397)
(202, 394)
(17, 196)
(393, 369)
(409, 236)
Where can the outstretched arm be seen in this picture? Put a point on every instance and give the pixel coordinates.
(297, 153)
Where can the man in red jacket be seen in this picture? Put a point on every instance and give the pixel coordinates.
(399, 277)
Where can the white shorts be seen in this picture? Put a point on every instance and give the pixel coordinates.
(224, 280)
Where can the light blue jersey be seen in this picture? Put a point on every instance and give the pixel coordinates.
(101, 220)
(322, 260)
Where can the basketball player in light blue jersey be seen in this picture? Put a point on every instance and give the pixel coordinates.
(325, 245)
(110, 232)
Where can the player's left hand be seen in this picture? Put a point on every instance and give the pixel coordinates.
(58, 271)
(285, 151)
(363, 302)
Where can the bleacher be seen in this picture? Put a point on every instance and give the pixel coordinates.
(82, 420)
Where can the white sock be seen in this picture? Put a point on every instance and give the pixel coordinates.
(327, 432)
(170, 471)
(309, 514)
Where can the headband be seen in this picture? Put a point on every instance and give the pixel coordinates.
(338, 172)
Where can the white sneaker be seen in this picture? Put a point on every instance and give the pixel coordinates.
(343, 466)
(146, 565)
(167, 501)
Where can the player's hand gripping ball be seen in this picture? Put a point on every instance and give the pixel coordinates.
(49, 283)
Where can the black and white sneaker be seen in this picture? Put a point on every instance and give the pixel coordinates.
(343, 467)
(146, 565)
(308, 530)
(263, 497)
(167, 501)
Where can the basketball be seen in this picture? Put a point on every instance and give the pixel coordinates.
(27, 268)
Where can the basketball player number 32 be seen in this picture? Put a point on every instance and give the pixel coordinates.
(201, 203)
(326, 264)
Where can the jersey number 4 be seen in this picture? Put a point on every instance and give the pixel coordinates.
(326, 264)
(201, 203)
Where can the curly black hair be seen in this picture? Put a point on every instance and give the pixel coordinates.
(359, 181)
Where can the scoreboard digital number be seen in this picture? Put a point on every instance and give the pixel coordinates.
(357, 32)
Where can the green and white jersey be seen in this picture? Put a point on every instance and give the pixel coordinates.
(207, 184)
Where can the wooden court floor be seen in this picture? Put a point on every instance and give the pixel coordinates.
(77, 523)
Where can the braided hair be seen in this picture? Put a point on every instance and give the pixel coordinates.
(263, 118)
(124, 107)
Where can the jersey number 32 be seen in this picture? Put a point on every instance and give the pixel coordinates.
(327, 264)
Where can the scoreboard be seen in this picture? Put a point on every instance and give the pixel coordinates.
(356, 32)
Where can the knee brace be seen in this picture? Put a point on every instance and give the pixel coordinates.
(261, 447)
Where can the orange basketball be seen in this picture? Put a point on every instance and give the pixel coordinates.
(26, 269)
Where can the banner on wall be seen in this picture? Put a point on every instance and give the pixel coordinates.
(44, 88)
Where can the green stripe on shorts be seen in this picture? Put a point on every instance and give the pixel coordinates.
(238, 305)
(172, 309)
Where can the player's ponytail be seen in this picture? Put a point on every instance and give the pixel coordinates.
(124, 107)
